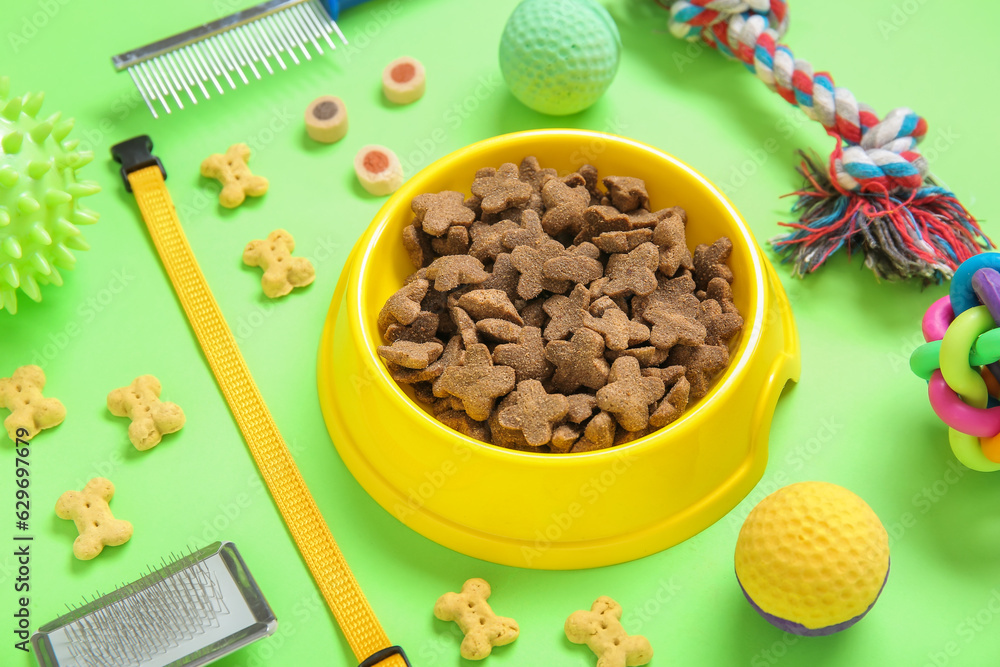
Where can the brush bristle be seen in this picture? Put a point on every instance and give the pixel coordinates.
(142, 624)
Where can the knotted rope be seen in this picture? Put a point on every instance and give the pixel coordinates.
(876, 191)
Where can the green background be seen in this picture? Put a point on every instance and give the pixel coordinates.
(858, 417)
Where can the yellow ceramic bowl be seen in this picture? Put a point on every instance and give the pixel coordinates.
(555, 511)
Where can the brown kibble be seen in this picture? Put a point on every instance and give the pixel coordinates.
(500, 330)
(464, 424)
(403, 307)
(720, 327)
(534, 412)
(533, 312)
(627, 193)
(454, 270)
(591, 180)
(618, 330)
(566, 313)
(628, 394)
(529, 261)
(633, 273)
(563, 437)
(489, 303)
(675, 294)
(421, 330)
(526, 357)
(529, 233)
(599, 434)
(673, 404)
(418, 245)
(670, 375)
(574, 266)
(504, 277)
(670, 238)
(648, 356)
(478, 383)
(702, 363)
(643, 219)
(623, 242)
(598, 220)
(581, 406)
(579, 361)
(710, 262)
(465, 325)
(487, 240)
(438, 212)
(411, 355)
(672, 328)
(502, 189)
(564, 206)
(455, 242)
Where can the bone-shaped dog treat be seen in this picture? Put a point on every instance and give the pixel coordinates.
(90, 511)
(601, 630)
(151, 418)
(482, 628)
(30, 412)
(282, 272)
(232, 172)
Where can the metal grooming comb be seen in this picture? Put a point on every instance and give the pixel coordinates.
(216, 53)
(189, 612)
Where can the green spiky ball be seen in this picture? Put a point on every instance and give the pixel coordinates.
(40, 209)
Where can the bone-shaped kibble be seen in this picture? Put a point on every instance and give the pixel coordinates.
(232, 172)
(30, 412)
(151, 419)
(601, 630)
(90, 511)
(482, 628)
(282, 272)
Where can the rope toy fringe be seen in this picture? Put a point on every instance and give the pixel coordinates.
(875, 191)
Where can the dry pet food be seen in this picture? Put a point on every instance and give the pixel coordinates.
(554, 313)
(231, 170)
(151, 418)
(326, 119)
(601, 630)
(403, 80)
(482, 628)
(30, 412)
(97, 525)
(282, 272)
(378, 170)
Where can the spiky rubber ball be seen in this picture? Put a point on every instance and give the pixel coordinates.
(559, 56)
(812, 558)
(40, 210)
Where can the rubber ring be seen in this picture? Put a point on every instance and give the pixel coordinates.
(991, 448)
(978, 422)
(962, 295)
(927, 357)
(955, 347)
(936, 319)
(969, 453)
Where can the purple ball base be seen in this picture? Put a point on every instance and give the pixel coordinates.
(798, 628)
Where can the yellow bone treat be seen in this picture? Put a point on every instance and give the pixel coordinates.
(482, 628)
(151, 418)
(232, 172)
(30, 412)
(90, 511)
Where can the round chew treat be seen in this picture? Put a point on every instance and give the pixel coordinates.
(326, 119)
(378, 169)
(403, 80)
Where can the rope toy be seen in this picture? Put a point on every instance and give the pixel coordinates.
(876, 190)
(960, 361)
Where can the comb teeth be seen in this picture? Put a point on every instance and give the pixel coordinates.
(241, 47)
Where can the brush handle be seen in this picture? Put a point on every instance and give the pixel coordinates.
(336, 6)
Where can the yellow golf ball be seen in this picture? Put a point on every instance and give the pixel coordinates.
(812, 558)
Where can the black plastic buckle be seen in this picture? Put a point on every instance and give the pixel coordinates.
(134, 154)
(385, 653)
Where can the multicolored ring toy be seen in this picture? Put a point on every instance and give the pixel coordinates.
(961, 361)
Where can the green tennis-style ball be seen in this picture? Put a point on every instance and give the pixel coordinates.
(812, 558)
(39, 197)
(559, 56)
